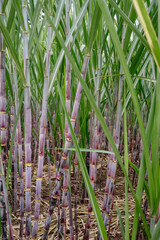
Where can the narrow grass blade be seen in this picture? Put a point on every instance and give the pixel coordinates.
(121, 222)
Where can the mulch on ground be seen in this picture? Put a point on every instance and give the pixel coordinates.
(82, 210)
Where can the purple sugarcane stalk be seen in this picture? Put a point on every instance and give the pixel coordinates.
(12, 157)
(14, 109)
(104, 146)
(49, 164)
(42, 135)
(35, 141)
(68, 143)
(75, 193)
(21, 179)
(19, 141)
(70, 216)
(6, 203)
(66, 170)
(93, 176)
(109, 189)
(27, 113)
(95, 145)
(28, 124)
(68, 69)
(15, 171)
(3, 138)
(3, 132)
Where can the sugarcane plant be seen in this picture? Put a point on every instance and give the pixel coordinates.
(79, 101)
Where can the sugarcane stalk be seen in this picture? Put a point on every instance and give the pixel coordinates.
(68, 68)
(113, 160)
(66, 170)
(93, 177)
(27, 112)
(3, 130)
(49, 163)
(75, 194)
(28, 124)
(70, 215)
(35, 142)
(109, 189)
(105, 144)
(12, 127)
(43, 124)
(112, 164)
(21, 180)
(5, 202)
(19, 142)
(14, 109)
(68, 143)
(95, 145)
(15, 171)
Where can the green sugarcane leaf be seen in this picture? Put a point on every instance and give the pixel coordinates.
(132, 17)
(11, 49)
(12, 139)
(89, 150)
(148, 29)
(33, 28)
(130, 24)
(84, 26)
(121, 222)
(5, 2)
(156, 132)
(11, 18)
(137, 80)
(94, 27)
(17, 6)
(50, 156)
(60, 57)
(35, 134)
(156, 233)
(135, 168)
(90, 191)
(9, 83)
(142, 169)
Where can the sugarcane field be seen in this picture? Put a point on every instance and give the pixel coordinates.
(80, 119)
